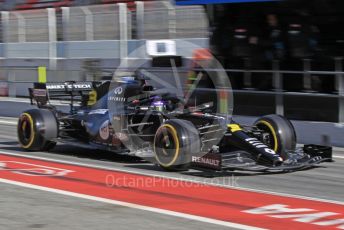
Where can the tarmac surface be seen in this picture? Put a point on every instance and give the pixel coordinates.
(24, 208)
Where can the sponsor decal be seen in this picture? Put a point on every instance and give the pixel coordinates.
(116, 95)
(98, 111)
(122, 137)
(104, 131)
(118, 90)
(69, 86)
(55, 86)
(116, 118)
(39, 93)
(234, 128)
(303, 215)
(115, 141)
(206, 161)
(80, 86)
(259, 145)
(34, 170)
(121, 99)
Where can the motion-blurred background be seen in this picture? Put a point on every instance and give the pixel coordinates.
(282, 57)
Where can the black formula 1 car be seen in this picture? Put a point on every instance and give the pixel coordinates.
(128, 116)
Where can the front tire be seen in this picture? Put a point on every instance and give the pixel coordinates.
(282, 136)
(175, 142)
(36, 130)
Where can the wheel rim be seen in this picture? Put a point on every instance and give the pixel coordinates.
(267, 127)
(26, 131)
(166, 146)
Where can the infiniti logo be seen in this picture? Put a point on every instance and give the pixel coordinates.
(118, 90)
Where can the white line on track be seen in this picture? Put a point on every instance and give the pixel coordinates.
(339, 157)
(134, 206)
(7, 122)
(170, 177)
(27, 101)
(14, 99)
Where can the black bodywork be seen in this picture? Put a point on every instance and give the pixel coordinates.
(124, 117)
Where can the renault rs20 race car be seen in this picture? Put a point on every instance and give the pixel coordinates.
(127, 116)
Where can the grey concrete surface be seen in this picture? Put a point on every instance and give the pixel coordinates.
(25, 208)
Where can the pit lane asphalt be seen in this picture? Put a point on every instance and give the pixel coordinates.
(26, 208)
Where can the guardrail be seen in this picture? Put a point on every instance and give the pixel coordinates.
(148, 20)
(104, 32)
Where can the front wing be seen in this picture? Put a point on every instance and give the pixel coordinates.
(304, 158)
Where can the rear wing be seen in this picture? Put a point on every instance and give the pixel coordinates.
(42, 93)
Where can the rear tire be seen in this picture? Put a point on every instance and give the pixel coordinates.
(36, 130)
(175, 142)
(282, 133)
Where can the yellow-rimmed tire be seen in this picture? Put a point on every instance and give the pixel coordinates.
(37, 129)
(175, 142)
(282, 136)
